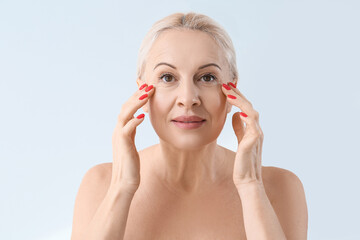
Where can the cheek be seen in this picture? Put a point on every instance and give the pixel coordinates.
(214, 101)
(160, 103)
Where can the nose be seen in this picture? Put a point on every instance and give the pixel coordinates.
(188, 95)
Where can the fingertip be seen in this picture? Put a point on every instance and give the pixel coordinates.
(142, 86)
(147, 89)
(226, 86)
(243, 114)
(140, 116)
(231, 84)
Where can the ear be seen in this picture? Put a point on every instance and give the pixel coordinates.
(140, 82)
(235, 81)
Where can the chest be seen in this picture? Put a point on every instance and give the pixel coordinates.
(216, 216)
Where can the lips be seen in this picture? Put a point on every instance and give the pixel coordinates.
(188, 119)
(188, 122)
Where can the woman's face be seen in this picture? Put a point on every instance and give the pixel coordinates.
(186, 90)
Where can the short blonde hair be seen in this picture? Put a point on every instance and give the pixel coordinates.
(193, 21)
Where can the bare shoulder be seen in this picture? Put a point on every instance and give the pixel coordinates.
(92, 190)
(278, 180)
(105, 167)
(101, 174)
(97, 177)
(276, 174)
(287, 196)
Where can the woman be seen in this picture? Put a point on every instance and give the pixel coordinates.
(190, 187)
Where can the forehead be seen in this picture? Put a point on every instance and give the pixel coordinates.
(185, 47)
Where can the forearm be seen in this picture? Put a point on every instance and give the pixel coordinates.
(109, 221)
(260, 220)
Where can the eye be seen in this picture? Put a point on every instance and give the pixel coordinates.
(207, 77)
(166, 75)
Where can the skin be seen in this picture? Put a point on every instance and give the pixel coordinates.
(202, 174)
(191, 188)
(187, 161)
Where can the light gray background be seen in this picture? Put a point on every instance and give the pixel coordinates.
(67, 66)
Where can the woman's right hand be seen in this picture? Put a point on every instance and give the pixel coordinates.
(126, 160)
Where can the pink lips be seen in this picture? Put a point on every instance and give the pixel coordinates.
(188, 122)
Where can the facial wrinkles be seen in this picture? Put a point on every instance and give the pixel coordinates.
(167, 77)
(189, 89)
(171, 82)
(186, 82)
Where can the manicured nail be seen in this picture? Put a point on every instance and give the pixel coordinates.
(231, 96)
(149, 88)
(140, 116)
(143, 96)
(142, 86)
(243, 114)
(233, 85)
(226, 86)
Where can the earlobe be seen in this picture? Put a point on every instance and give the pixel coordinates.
(139, 82)
(235, 81)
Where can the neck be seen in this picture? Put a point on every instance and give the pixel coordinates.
(193, 170)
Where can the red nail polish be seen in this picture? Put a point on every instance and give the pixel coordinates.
(226, 86)
(243, 114)
(231, 96)
(142, 86)
(143, 96)
(140, 116)
(149, 88)
(233, 85)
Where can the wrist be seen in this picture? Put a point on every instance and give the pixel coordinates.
(251, 187)
(122, 189)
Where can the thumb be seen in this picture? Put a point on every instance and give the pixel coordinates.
(238, 126)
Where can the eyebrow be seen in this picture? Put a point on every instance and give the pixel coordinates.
(201, 67)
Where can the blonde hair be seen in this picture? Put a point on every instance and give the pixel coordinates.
(192, 21)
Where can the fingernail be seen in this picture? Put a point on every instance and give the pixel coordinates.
(226, 86)
(149, 88)
(243, 114)
(140, 116)
(231, 96)
(143, 96)
(142, 86)
(233, 85)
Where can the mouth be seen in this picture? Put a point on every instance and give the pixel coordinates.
(188, 124)
(189, 121)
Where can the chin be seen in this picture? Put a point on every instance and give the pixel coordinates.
(189, 142)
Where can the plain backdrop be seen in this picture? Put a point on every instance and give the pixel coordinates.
(66, 67)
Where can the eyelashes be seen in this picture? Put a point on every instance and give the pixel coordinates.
(212, 76)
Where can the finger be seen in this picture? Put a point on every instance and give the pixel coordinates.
(234, 88)
(246, 134)
(130, 126)
(136, 101)
(254, 114)
(238, 99)
(252, 134)
(249, 115)
(238, 126)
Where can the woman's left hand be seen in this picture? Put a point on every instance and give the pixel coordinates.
(247, 167)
